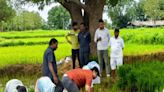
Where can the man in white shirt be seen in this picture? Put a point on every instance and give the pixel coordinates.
(102, 38)
(15, 85)
(116, 55)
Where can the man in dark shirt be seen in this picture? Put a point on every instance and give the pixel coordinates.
(49, 64)
(84, 39)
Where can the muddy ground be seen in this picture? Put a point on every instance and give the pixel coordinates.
(35, 69)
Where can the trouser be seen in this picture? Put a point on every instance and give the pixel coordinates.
(70, 85)
(75, 55)
(84, 58)
(103, 55)
(59, 87)
(116, 62)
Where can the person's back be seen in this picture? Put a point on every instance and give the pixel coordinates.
(44, 84)
(15, 85)
(80, 77)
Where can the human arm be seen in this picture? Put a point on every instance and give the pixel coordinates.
(50, 66)
(87, 88)
(68, 39)
(55, 78)
(36, 87)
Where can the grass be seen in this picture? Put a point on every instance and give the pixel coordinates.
(29, 54)
(29, 41)
(32, 34)
(34, 54)
(27, 47)
(146, 77)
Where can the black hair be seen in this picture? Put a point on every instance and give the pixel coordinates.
(116, 30)
(53, 40)
(82, 23)
(21, 89)
(101, 20)
(86, 27)
(74, 23)
(96, 70)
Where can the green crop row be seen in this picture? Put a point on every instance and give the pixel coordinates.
(33, 34)
(29, 41)
(146, 77)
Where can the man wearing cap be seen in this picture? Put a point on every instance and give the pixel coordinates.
(76, 79)
(15, 85)
(116, 55)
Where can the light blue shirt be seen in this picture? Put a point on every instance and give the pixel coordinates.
(45, 85)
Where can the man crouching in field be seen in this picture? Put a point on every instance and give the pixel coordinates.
(49, 65)
(116, 56)
(78, 78)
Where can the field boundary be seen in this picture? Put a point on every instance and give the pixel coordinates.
(35, 69)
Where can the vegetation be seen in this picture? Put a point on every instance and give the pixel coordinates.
(146, 77)
(30, 45)
(58, 18)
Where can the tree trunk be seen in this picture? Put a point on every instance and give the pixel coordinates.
(95, 13)
(91, 16)
(75, 11)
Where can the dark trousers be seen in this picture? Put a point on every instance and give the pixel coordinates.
(70, 85)
(84, 57)
(59, 87)
(75, 55)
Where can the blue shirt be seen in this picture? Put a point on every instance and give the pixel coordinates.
(84, 39)
(45, 84)
(49, 57)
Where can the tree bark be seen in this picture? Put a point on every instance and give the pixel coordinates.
(92, 13)
(74, 10)
(95, 13)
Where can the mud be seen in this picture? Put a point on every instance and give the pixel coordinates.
(35, 69)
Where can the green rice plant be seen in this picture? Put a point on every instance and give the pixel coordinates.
(141, 77)
(29, 41)
(33, 34)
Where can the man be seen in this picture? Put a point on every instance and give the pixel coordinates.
(102, 38)
(49, 64)
(78, 78)
(84, 39)
(15, 85)
(74, 42)
(116, 56)
(91, 65)
(44, 84)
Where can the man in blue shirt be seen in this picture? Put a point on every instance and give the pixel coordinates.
(49, 64)
(84, 39)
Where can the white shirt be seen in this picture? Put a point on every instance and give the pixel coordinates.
(12, 85)
(91, 65)
(116, 46)
(44, 84)
(105, 37)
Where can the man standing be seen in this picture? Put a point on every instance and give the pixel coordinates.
(49, 64)
(102, 38)
(116, 56)
(74, 42)
(78, 78)
(84, 39)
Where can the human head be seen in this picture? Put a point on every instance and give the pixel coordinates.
(75, 26)
(95, 72)
(116, 33)
(101, 24)
(53, 43)
(82, 27)
(21, 89)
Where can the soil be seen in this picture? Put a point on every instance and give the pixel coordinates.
(35, 69)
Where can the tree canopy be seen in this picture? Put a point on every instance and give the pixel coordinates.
(58, 18)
